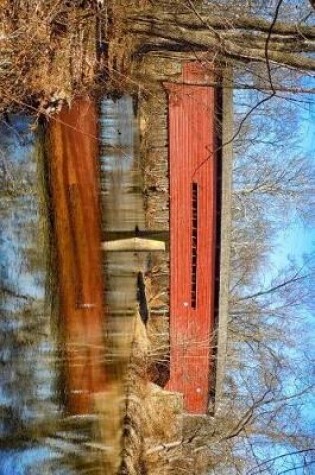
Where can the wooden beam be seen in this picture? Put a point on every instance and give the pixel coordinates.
(110, 235)
(133, 245)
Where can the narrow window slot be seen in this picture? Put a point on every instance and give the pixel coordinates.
(194, 244)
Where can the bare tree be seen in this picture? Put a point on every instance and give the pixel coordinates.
(226, 29)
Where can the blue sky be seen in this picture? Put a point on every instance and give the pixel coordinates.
(303, 241)
(296, 241)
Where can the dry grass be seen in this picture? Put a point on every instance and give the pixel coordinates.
(53, 50)
(48, 53)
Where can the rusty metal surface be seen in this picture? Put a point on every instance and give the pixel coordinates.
(75, 195)
(191, 146)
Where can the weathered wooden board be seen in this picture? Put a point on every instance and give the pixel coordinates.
(133, 245)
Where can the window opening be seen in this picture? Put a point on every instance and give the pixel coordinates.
(194, 244)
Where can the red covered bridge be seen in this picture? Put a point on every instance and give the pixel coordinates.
(195, 204)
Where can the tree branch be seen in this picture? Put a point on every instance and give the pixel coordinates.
(207, 40)
(247, 23)
(273, 289)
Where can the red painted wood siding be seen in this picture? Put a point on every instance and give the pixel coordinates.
(191, 146)
(75, 196)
